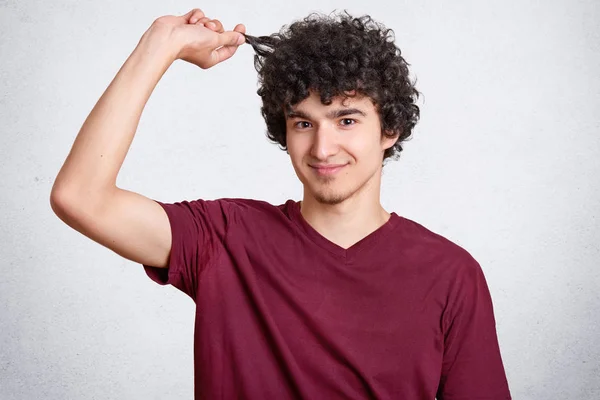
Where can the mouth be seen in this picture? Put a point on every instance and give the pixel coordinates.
(327, 170)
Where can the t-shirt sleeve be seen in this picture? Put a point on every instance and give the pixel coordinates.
(198, 229)
(472, 366)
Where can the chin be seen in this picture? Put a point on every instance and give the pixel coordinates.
(331, 197)
(335, 191)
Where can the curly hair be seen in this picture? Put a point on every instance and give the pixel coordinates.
(335, 55)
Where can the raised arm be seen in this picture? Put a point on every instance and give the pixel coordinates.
(85, 195)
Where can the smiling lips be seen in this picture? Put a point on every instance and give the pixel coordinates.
(328, 169)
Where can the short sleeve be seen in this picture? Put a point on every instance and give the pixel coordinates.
(472, 366)
(198, 230)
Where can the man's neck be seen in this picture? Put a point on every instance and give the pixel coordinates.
(348, 222)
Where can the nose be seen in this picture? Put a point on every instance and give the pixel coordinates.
(325, 142)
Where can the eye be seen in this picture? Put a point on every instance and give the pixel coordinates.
(348, 121)
(302, 124)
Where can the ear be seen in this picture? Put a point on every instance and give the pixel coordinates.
(387, 140)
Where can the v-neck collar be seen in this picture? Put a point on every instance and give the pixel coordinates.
(350, 253)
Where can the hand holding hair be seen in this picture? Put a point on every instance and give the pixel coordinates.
(199, 39)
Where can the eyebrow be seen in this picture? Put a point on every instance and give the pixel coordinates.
(342, 112)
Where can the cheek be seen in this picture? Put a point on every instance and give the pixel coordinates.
(363, 146)
(297, 146)
(295, 151)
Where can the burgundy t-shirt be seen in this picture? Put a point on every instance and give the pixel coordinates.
(284, 313)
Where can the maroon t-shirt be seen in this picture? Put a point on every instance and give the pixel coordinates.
(284, 313)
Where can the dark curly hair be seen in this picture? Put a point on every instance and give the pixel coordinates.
(335, 55)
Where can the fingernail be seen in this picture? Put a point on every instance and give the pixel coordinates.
(240, 39)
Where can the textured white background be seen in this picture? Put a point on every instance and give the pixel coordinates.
(504, 162)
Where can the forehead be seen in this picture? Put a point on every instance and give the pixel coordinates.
(353, 100)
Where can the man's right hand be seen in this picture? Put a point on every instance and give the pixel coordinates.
(198, 39)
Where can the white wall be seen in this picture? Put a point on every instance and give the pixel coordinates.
(504, 162)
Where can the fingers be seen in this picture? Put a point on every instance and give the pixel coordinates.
(231, 38)
(201, 21)
(240, 28)
(192, 16)
(196, 16)
(229, 42)
(215, 25)
(225, 53)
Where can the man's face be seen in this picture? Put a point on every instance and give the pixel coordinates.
(336, 150)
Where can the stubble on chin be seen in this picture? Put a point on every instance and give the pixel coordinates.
(327, 195)
(329, 199)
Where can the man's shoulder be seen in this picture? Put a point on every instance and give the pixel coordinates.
(230, 209)
(254, 210)
(418, 238)
(246, 205)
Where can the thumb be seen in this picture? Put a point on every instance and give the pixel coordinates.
(231, 38)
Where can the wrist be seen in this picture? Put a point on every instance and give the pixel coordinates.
(160, 42)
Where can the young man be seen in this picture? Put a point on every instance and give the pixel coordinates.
(330, 297)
